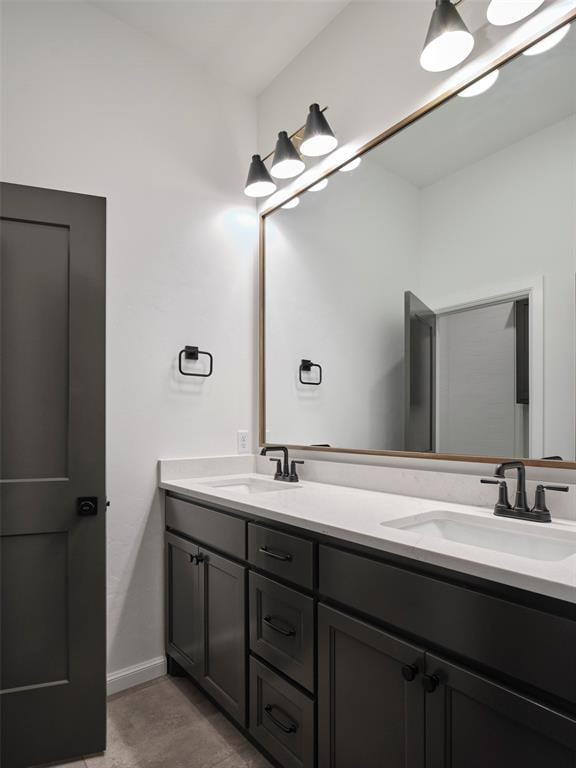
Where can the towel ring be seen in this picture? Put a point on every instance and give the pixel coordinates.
(193, 353)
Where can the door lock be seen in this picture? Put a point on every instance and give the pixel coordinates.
(87, 505)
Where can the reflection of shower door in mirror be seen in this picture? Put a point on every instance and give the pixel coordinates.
(483, 398)
(420, 376)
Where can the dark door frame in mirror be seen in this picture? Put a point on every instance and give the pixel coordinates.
(379, 139)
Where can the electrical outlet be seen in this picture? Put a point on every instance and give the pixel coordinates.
(243, 441)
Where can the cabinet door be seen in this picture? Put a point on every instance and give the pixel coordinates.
(225, 622)
(185, 605)
(472, 722)
(370, 696)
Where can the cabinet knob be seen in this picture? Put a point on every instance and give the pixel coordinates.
(409, 672)
(430, 683)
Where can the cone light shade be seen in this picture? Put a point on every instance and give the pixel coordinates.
(448, 41)
(287, 162)
(318, 136)
(259, 183)
(503, 12)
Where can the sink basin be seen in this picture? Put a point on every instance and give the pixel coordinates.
(539, 544)
(250, 485)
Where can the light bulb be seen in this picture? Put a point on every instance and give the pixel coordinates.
(352, 165)
(292, 203)
(503, 12)
(548, 42)
(480, 86)
(319, 186)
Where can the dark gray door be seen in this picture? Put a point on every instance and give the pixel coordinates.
(224, 617)
(420, 374)
(52, 421)
(473, 723)
(370, 696)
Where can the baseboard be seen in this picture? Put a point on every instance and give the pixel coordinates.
(136, 675)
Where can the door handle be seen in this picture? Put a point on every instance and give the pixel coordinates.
(87, 505)
(430, 683)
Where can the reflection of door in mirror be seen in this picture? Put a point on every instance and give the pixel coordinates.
(481, 369)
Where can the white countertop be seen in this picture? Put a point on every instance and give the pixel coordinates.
(356, 515)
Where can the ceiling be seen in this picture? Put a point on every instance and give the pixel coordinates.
(245, 43)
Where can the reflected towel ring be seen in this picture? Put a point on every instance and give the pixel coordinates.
(306, 366)
(193, 353)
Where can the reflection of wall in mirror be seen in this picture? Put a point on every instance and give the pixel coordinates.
(337, 268)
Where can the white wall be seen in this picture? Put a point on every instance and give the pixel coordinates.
(506, 221)
(90, 105)
(337, 269)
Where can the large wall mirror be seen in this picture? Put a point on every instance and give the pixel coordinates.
(425, 301)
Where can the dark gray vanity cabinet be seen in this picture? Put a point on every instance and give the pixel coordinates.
(206, 621)
(370, 696)
(472, 722)
(334, 657)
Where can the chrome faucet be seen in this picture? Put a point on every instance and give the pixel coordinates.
(521, 509)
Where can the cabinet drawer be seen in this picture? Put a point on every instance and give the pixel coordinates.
(281, 718)
(281, 554)
(529, 645)
(225, 533)
(282, 628)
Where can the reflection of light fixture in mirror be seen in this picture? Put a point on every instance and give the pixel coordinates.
(259, 182)
(448, 41)
(287, 162)
(352, 165)
(318, 136)
(503, 12)
(320, 186)
(291, 203)
(480, 86)
(548, 42)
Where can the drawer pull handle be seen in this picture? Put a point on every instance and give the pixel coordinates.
(292, 727)
(276, 555)
(409, 672)
(287, 632)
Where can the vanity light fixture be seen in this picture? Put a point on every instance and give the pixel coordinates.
(318, 139)
(448, 41)
(287, 162)
(292, 203)
(352, 165)
(259, 182)
(480, 86)
(319, 186)
(504, 12)
(548, 42)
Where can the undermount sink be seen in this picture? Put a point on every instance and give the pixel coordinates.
(541, 544)
(250, 485)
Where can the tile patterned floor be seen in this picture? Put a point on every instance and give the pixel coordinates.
(169, 723)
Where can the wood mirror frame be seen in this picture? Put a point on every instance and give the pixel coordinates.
(379, 139)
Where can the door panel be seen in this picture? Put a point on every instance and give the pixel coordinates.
(369, 715)
(52, 347)
(420, 375)
(225, 661)
(472, 722)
